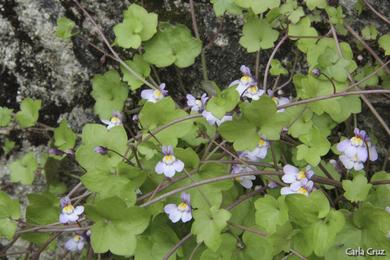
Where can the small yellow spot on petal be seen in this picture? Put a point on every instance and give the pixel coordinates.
(252, 90)
(302, 190)
(246, 79)
(77, 238)
(301, 175)
(168, 159)
(261, 142)
(182, 206)
(68, 209)
(276, 100)
(115, 119)
(157, 93)
(357, 141)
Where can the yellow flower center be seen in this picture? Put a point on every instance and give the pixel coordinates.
(238, 179)
(252, 90)
(198, 103)
(301, 175)
(357, 141)
(182, 206)
(157, 93)
(115, 120)
(168, 159)
(246, 79)
(77, 238)
(68, 209)
(261, 142)
(302, 190)
(276, 100)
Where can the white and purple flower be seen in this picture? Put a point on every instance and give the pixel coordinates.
(253, 92)
(245, 181)
(212, 120)
(299, 187)
(182, 212)
(293, 174)
(357, 150)
(245, 81)
(116, 120)
(69, 214)
(259, 153)
(154, 95)
(75, 244)
(169, 165)
(279, 101)
(197, 105)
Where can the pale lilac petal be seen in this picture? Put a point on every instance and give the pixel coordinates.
(224, 119)
(80, 245)
(283, 101)
(178, 165)
(71, 245)
(63, 218)
(169, 171)
(185, 197)
(175, 216)
(209, 117)
(167, 149)
(79, 210)
(160, 166)
(362, 153)
(73, 217)
(350, 151)
(289, 178)
(342, 146)
(295, 186)
(246, 183)
(289, 169)
(286, 191)
(234, 83)
(241, 88)
(347, 162)
(309, 186)
(186, 216)
(358, 166)
(170, 208)
(262, 153)
(106, 122)
(245, 70)
(356, 131)
(148, 94)
(373, 153)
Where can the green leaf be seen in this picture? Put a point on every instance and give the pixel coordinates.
(256, 247)
(64, 138)
(43, 208)
(9, 208)
(109, 92)
(262, 113)
(8, 146)
(303, 28)
(97, 135)
(29, 112)
(258, 6)
(224, 102)
(5, 116)
(225, 251)
(271, 213)
(241, 133)
(303, 210)
(315, 144)
(384, 43)
(378, 195)
(365, 71)
(222, 6)
(323, 233)
(64, 28)
(357, 189)
(7, 228)
(257, 34)
(277, 68)
(188, 156)
(116, 226)
(23, 170)
(369, 32)
(163, 112)
(172, 44)
(208, 226)
(140, 66)
(292, 11)
(320, 4)
(138, 25)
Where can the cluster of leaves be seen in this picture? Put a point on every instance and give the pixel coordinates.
(125, 223)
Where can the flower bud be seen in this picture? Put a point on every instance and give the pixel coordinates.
(55, 151)
(316, 72)
(101, 150)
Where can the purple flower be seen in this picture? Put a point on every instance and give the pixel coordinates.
(75, 244)
(197, 105)
(316, 72)
(116, 120)
(169, 165)
(299, 187)
(182, 211)
(245, 81)
(245, 181)
(212, 120)
(69, 214)
(260, 152)
(55, 151)
(279, 101)
(293, 174)
(154, 95)
(272, 185)
(357, 150)
(101, 150)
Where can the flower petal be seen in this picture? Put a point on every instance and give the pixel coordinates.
(186, 216)
(289, 169)
(160, 166)
(79, 210)
(178, 165)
